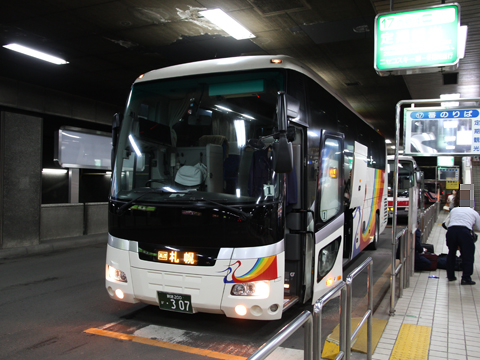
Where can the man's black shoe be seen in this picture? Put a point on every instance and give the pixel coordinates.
(452, 279)
(468, 282)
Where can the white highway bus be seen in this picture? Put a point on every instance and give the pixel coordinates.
(407, 168)
(231, 188)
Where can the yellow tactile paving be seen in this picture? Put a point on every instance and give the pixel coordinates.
(412, 343)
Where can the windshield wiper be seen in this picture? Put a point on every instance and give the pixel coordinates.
(243, 215)
(122, 208)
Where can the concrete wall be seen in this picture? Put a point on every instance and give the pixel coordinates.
(23, 220)
(18, 95)
(72, 220)
(20, 179)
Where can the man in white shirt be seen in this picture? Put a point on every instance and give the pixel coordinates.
(460, 223)
(450, 199)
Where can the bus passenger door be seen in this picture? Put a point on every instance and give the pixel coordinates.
(329, 215)
(357, 196)
(359, 175)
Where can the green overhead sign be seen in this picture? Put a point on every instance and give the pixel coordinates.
(422, 38)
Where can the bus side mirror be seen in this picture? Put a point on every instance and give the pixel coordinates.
(282, 155)
(282, 148)
(116, 122)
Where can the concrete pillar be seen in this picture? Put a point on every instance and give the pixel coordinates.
(20, 179)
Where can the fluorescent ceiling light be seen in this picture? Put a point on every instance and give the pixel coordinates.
(54, 171)
(240, 130)
(388, 141)
(36, 54)
(450, 97)
(453, 124)
(223, 108)
(248, 116)
(226, 23)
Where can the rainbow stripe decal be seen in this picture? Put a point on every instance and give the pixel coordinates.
(368, 213)
(263, 269)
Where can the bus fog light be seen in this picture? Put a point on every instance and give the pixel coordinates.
(257, 288)
(241, 310)
(119, 293)
(273, 308)
(115, 275)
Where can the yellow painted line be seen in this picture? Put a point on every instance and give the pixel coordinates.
(412, 343)
(164, 344)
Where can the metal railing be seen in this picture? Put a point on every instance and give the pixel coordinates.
(317, 321)
(400, 269)
(313, 323)
(428, 219)
(405, 239)
(368, 314)
(270, 346)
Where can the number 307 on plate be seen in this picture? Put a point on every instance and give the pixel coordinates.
(175, 302)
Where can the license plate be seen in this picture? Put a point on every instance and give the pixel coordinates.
(175, 302)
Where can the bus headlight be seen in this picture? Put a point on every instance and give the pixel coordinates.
(326, 258)
(115, 274)
(257, 288)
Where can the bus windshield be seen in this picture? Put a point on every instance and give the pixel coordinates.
(185, 139)
(405, 177)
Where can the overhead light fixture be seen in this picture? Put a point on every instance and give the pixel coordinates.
(35, 53)
(226, 23)
(55, 171)
(223, 108)
(387, 141)
(450, 97)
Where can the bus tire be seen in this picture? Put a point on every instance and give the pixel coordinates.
(374, 244)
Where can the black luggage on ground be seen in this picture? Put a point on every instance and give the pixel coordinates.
(429, 248)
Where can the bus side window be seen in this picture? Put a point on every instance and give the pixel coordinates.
(331, 199)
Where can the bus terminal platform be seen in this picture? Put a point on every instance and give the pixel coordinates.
(435, 319)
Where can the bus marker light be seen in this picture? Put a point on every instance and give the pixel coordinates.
(241, 310)
(333, 172)
(119, 293)
(276, 61)
(329, 281)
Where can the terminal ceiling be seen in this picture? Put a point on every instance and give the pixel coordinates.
(108, 43)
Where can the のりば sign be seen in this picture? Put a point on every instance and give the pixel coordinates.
(435, 131)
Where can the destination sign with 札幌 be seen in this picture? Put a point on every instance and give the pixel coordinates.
(417, 38)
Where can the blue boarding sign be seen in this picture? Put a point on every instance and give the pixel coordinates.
(437, 131)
